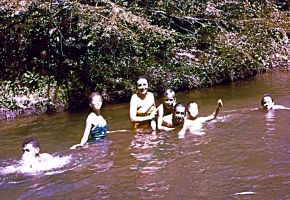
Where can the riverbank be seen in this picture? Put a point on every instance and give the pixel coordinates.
(54, 54)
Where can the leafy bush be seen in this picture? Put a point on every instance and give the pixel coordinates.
(63, 50)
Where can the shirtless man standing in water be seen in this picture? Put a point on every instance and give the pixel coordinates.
(142, 107)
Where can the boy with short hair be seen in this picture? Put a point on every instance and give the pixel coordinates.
(166, 107)
(31, 157)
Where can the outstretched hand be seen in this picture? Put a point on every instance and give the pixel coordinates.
(75, 146)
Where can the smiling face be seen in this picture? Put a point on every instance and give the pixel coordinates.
(193, 110)
(96, 102)
(267, 102)
(169, 101)
(142, 86)
(179, 113)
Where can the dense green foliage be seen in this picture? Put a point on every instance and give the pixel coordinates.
(66, 49)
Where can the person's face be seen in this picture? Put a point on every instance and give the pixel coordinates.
(268, 103)
(29, 151)
(97, 102)
(193, 110)
(169, 101)
(142, 86)
(179, 113)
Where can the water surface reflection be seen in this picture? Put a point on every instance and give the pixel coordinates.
(244, 154)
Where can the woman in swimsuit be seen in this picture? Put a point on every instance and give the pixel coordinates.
(142, 107)
(96, 125)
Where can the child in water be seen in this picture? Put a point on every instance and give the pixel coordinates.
(193, 123)
(166, 108)
(176, 119)
(96, 125)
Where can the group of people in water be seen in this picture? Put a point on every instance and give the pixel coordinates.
(169, 115)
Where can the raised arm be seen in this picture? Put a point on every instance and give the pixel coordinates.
(214, 114)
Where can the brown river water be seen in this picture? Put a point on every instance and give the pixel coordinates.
(243, 155)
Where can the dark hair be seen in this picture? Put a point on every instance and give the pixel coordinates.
(180, 104)
(266, 95)
(140, 77)
(32, 141)
(94, 94)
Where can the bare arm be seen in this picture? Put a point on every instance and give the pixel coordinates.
(85, 135)
(160, 112)
(281, 107)
(182, 132)
(166, 123)
(214, 114)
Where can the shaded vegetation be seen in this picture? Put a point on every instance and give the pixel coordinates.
(61, 50)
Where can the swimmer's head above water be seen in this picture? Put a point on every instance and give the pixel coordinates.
(179, 113)
(267, 102)
(30, 148)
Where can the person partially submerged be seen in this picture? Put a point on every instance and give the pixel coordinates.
(193, 123)
(166, 107)
(267, 103)
(31, 158)
(96, 125)
(32, 161)
(176, 119)
(142, 107)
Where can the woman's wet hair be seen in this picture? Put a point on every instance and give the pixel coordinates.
(140, 77)
(93, 94)
(266, 95)
(31, 140)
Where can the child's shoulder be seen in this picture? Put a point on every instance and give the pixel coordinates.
(161, 106)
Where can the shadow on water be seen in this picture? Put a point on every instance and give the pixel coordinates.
(244, 153)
